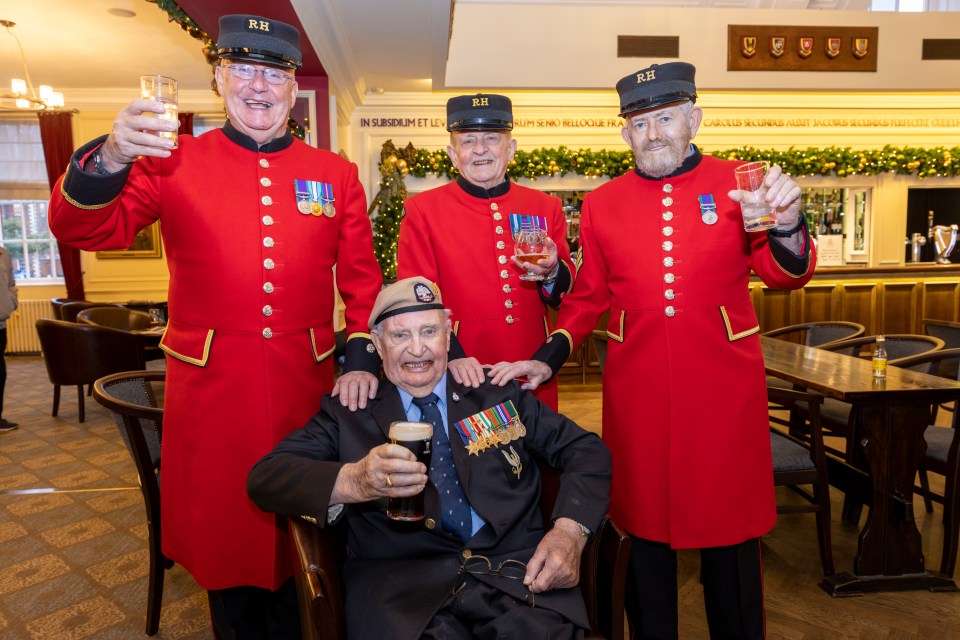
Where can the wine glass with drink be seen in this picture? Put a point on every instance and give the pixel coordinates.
(531, 247)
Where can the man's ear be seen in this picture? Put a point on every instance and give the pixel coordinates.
(377, 342)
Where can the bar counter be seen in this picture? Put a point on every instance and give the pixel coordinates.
(894, 299)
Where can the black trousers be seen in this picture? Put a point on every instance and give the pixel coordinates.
(252, 613)
(3, 365)
(732, 591)
(481, 612)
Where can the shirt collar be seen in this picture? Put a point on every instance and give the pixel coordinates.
(689, 164)
(239, 138)
(440, 390)
(479, 192)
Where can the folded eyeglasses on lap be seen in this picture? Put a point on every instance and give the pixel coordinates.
(248, 72)
(481, 565)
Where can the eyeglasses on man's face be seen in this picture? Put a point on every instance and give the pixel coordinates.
(248, 72)
(512, 569)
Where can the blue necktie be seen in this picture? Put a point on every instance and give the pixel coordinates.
(455, 514)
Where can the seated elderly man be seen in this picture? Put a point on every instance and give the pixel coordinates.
(479, 563)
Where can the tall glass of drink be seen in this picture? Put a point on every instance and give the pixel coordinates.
(757, 212)
(417, 437)
(163, 90)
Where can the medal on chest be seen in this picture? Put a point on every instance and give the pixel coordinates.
(523, 221)
(314, 198)
(708, 208)
(499, 425)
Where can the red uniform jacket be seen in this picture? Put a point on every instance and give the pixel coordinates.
(684, 401)
(250, 336)
(458, 235)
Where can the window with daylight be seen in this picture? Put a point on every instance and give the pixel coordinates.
(24, 195)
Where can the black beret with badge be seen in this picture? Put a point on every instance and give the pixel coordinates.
(657, 85)
(259, 40)
(480, 112)
(405, 296)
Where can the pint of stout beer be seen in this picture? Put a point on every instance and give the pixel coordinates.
(415, 436)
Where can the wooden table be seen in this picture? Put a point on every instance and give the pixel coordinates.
(894, 414)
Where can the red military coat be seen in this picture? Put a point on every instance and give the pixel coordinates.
(458, 235)
(250, 336)
(684, 401)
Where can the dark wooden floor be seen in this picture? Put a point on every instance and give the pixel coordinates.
(797, 609)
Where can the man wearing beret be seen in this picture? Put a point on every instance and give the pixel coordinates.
(461, 236)
(479, 564)
(253, 222)
(663, 248)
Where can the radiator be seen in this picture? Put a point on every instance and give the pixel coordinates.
(22, 326)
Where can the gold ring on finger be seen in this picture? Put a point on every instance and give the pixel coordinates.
(389, 481)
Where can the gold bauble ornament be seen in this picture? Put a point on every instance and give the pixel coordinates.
(391, 160)
(402, 167)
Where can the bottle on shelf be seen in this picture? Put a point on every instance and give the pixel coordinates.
(880, 358)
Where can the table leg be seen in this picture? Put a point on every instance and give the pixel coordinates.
(889, 551)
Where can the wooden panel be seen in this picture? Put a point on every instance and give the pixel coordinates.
(774, 309)
(940, 301)
(858, 304)
(900, 308)
(820, 302)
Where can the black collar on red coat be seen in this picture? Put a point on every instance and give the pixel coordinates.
(689, 164)
(248, 143)
(479, 192)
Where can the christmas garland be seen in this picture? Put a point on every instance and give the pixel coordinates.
(842, 162)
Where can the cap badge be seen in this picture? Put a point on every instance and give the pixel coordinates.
(422, 293)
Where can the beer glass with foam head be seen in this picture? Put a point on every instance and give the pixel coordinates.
(417, 437)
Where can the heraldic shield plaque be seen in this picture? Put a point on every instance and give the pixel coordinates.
(778, 48)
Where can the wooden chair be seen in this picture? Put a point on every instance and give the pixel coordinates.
(949, 332)
(815, 334)
(78, 354)
(798, 463)
(131, 398)
(69, 310)
(811, 334)
(942, 456)
(318, 558)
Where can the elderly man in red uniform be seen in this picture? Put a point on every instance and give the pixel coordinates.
(461, 237)
(253, 222)
(684, 404)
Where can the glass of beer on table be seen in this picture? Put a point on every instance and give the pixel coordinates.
(417, 437)
(530, 247)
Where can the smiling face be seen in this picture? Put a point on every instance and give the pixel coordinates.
(413, 347)
(482, 156)
(660, 138)
(255, 107)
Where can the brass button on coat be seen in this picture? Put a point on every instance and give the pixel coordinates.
(267, 220)
(264, 163)
(267, 333)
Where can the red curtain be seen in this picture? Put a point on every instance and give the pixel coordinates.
(56, 134)
(186, 122)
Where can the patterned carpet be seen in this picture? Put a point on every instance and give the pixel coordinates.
(73, 554)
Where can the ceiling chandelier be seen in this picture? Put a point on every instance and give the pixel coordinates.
(22, 96)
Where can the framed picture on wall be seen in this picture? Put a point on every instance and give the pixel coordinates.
(145, 245)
